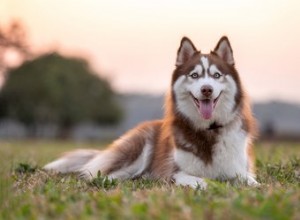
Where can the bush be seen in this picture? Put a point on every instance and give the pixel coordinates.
(59, 90)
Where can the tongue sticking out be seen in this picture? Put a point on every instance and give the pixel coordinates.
(206, 108)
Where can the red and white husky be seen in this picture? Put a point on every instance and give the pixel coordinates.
(206, 132)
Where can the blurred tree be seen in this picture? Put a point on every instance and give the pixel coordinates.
(60, 90)
(13, 40)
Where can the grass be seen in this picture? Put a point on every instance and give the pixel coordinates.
(27, 192)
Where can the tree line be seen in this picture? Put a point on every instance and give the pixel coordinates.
(52, 88)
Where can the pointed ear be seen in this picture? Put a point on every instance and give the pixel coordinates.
(185, 51)
(224, 51)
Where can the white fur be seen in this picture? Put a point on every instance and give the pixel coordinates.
(137, 167)
(223, 112)
(205, 62)
(184, 85)
(229, 158)
(183, 179)
(185, 103)
(72, 161)
(195, 87)
(213, 69)
(106, 158)
(198, 69)
(99, 163)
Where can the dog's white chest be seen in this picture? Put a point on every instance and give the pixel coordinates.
(228, 161)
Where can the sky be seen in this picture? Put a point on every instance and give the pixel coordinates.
(133, 43)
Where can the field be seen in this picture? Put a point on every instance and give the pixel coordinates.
(27, 192)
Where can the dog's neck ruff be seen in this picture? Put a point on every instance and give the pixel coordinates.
(214, 126)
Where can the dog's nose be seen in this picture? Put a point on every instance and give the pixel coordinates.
(206, 90)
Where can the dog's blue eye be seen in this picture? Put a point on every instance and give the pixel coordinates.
(195, 75)
(217, 75)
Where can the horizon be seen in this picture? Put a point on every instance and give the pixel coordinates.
(133, 43)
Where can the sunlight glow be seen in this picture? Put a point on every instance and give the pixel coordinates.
(134, 43)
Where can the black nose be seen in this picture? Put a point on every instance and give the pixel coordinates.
(206, 90)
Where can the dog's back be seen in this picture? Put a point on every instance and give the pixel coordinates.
(207, 130)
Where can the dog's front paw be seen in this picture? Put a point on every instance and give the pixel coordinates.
(194, 182)
(252, 182)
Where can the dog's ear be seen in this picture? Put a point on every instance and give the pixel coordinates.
(185, 51)
(224, 51)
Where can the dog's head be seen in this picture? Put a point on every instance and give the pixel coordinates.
(206, 87)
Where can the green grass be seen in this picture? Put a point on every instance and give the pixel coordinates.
(27, 192)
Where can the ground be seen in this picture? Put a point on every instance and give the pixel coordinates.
(28, 192)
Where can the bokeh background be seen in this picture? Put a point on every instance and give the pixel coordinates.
(93, 69)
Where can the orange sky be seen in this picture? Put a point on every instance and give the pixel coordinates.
(134, 43)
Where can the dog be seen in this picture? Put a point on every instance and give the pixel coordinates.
(206, 132)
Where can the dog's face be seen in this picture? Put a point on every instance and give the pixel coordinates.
(206, 87)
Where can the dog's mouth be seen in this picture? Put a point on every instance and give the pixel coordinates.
(206, 106)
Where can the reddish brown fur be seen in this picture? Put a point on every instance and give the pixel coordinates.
(163, 134)
(128, 147)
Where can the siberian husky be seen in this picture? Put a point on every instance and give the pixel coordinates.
(206, 132)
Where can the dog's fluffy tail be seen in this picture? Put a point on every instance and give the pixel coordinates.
(72, 161)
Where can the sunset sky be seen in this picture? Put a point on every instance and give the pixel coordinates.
(134, 43)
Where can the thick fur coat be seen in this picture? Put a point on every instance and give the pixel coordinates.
(206, 132)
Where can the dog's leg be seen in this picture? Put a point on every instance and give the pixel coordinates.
(184, 179)
(118, 166)
(126, 158)
(250, 180)
(71, 161)
(247, 179)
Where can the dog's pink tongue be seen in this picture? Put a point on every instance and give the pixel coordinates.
(206, 108)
